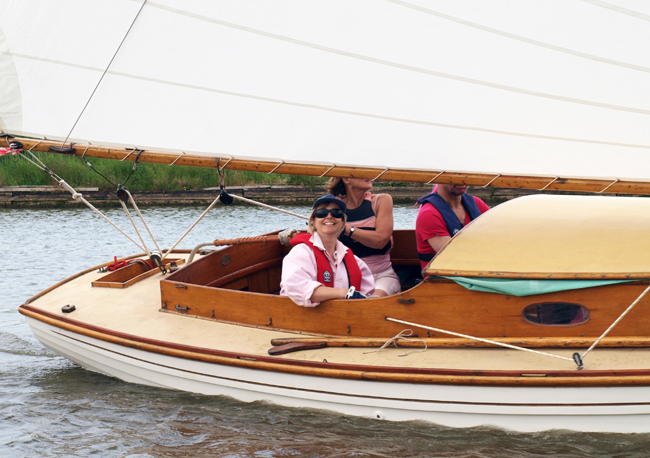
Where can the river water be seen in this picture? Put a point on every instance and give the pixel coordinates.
(50, 407)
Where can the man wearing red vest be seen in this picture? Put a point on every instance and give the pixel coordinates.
(319, 267)
(442, 215)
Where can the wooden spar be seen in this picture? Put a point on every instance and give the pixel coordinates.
(306, 343)
(588, 185)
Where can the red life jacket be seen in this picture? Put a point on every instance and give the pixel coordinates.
(324, 274)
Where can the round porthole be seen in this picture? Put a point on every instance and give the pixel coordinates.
(556, 314)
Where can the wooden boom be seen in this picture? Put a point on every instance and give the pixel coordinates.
(534, 182)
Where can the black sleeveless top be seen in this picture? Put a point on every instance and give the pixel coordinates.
(361, 213)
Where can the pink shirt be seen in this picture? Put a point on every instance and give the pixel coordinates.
(299, 271)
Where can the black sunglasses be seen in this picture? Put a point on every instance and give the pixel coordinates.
(323, 212)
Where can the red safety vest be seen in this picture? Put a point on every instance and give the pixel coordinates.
(324, 274)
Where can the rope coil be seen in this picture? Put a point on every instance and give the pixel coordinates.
(404, 335)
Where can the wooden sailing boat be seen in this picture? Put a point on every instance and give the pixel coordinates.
(535, 96)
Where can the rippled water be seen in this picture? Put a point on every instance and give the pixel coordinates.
(51, 407)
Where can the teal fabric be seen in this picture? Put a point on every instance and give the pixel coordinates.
(522, 287)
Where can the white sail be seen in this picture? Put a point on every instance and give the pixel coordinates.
(557, 88)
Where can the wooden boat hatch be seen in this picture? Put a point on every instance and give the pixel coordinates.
(130, 274)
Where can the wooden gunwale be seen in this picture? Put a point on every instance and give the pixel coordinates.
(498, 180)
(564, 378)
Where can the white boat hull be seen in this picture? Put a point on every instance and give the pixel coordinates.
(527, 409)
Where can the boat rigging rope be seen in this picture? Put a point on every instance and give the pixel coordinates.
(75, 195)
(105, 70)
(121, 189)
(493, 342)
(214, 202)
(130, 198)
(404, 335)
(135, 164)
(136, 228)
(617, 320)
(260, 204)
(227, 197)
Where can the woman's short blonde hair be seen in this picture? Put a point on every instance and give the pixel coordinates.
(310, 225)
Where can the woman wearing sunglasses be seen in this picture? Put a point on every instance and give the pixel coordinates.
(319, 267)
(369, 229)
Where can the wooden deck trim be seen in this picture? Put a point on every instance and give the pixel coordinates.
(565, 378)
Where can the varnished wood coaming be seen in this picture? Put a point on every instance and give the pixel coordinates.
(563, 378)
(247, 274)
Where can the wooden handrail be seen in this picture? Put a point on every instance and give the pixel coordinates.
(246, 240)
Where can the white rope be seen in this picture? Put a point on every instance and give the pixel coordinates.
(328, 170)
(130, 153)
(214, 202)
(43, 168)
(377, 177)
(549, 183)
(224, 166)
(136, 228)
(180, 156)
(616, 322)
(79, 198)
(143, 221)
(432, 179)
(609, 186)
(493, 342)
(404, 336)
(276, 167)
(491, 181)
(260, 204)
